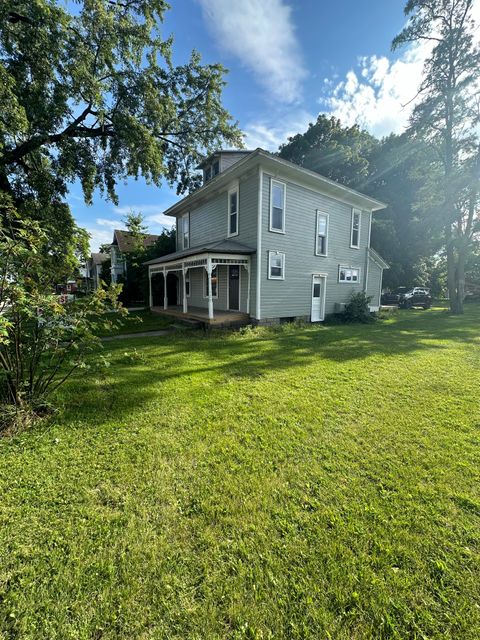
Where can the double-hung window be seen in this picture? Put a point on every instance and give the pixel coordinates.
(348, 275)
(277, 207)
(322, 231)
(233, 212)
(186, 230)
(355, 231)
(187, 282)
(276, 265)
(214, 278)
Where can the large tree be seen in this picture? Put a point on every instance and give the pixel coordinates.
(404, 233)
(391, 170)
(337, 152)
(446, 117)
(93, 94)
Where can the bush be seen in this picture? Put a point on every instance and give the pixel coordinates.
(42, 342)
(357, 309)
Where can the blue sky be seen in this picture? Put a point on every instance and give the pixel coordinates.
(288, 61)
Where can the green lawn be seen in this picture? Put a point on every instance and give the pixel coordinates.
(136, 322)
(318, 482)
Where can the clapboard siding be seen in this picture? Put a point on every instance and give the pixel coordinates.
(292, 296)
(374, 286)
(197, 289)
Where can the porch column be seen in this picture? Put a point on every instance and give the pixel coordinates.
(150, 296)
(184, 283)
(209, 281)
(165, 297)
(247, 267)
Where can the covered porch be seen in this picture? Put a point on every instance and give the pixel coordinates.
(211, 284)
(200, 315)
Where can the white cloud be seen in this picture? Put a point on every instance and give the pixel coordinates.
(154, 216)
(380, 94)
(98, 237)
(269, 134)
(102, 231)
(104, 222)
(260, 33)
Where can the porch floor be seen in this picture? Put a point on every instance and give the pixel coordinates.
(199, 314)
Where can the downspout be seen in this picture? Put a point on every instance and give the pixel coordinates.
(259, 244)
(367, 262)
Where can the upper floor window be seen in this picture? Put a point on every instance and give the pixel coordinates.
(214, 279)
(211, 170)
(276, 265)
(322, 231)
(186, 230)
(233, 212)
(277, 207)
(348, 275)
(355, 231)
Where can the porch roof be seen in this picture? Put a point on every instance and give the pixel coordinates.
(222, 246)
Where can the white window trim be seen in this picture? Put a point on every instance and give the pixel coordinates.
(284, 185)
(276, 253)
(354, 211)
(187, 277)
(323, 277)
(233, 189)
(342, 266)
(187, 216)
(205, 283)
(317, 253)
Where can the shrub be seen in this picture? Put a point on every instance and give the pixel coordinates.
(357, 309)
(42, 342)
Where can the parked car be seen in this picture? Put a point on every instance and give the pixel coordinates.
(416, 297)
(393, 297)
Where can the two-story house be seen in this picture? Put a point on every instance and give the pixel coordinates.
(124, 242)
(270, 239)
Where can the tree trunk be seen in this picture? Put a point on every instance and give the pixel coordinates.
(451, 272)
(460, 279)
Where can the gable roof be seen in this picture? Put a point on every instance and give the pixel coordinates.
(224, 152)
(270, 162)
(376, 257)
(221, 246)
(125, 240)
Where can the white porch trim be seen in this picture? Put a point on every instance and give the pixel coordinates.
(207, 261)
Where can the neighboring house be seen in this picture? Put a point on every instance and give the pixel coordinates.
(268, 238)
(94, 267)
(124, 242)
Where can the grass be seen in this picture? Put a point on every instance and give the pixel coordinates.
(136, 322)
(318, 482)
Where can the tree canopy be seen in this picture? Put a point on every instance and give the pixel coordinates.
(92, 94)
(337, 152)
(447, 117)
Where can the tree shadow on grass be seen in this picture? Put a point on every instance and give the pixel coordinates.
(138, 379)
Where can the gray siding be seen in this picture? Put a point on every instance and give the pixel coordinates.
(209, 220)
(227, 159)
(374, 286)
(197, 289)
(292, 296)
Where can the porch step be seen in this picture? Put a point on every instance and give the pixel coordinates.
(197, 317)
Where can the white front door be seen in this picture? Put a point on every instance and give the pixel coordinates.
(318, 298)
